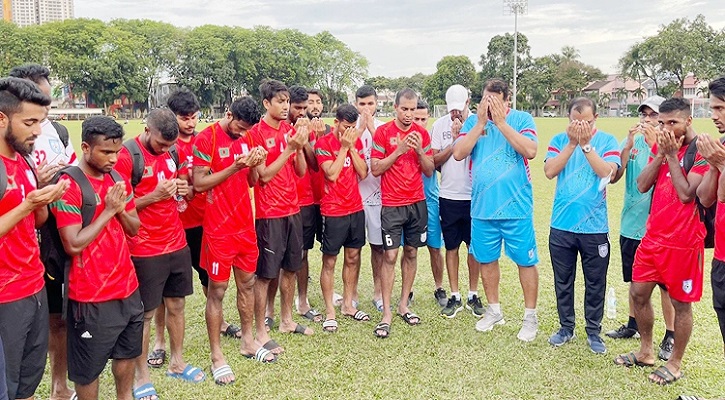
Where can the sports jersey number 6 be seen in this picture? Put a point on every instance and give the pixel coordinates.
(388, 240)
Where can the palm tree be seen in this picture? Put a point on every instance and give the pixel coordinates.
(569, 53)
(621, 93)
(640, 92)
(604, 100)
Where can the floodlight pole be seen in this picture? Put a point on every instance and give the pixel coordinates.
(515, 7)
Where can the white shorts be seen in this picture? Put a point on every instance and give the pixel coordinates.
(372, 224)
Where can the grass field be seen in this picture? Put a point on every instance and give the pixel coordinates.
(445, 359)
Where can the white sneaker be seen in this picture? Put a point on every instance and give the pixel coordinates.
(529, 328)
(488, 321)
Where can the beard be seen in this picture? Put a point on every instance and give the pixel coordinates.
(24, 148)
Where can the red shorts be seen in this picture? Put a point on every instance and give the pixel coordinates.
(679, 269)
(220, 253)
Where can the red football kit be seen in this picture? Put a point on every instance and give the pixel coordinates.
(193, 216)
(21, 272)
(342, 197)
(278, 197)
(103, 271)
(401, 184)
(161, 231)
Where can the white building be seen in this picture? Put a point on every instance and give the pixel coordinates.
(35, 12)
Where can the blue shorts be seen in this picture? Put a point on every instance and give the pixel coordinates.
(435, 235)
(518, 237)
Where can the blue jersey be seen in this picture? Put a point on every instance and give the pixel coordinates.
(431, 187)
(501, 180)
(579, 205)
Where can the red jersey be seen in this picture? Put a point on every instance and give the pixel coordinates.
(341, 197)
(194, 214)
(278, 197)
(720, 232)
(21, 272)
(229, 208)
(401, 184)
(103, 271)
(161, 231)
(305, 190)
(672, 223)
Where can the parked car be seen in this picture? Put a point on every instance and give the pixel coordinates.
(549, 114)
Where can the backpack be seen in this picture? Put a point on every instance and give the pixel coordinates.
(4, 174)
(138, 162)
(62, 133)
(52, 253)
(707, 214)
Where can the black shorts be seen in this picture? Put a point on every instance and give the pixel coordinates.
(280, 245)
(101, 331)
(628, 248)
(455, 222)
(311, 225)
(167, 275)
(347, 231)
(717, 279)
(193, 239)
(24, 329)
(54, 290)
(411, 220)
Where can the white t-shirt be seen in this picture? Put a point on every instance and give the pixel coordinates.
(455, 175)
(370, 186)
(48, 147)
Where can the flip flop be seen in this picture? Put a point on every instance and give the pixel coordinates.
(666, 377)
(410, 318)
(261, 356)
(630, 360)
(146, 390)
(158, 354)
(271, 345)
(313, 315)
(74, 396)
(329, 326)
(222, 372)
(269, 322)
(300, 329)
(189, 375)
(359, 316)
(232, 331)
(383, 326)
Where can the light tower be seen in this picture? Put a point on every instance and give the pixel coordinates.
(515, 7)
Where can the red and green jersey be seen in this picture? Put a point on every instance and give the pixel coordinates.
(278, 197)
(161, 230)
(228, 208)
(103, 271)
(341, 197)
(193, 216)
(21, 272)
(402, 183)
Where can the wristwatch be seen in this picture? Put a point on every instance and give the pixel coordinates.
(587, 148)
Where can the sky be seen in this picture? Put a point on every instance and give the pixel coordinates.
(404, 37)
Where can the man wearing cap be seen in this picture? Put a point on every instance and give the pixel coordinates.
(635, 153)
(455, 200)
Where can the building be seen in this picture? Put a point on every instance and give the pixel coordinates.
(35, 12)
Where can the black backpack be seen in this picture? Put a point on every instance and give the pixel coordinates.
(52, 253)
(138, 162)
(62, 133)
(707, 214)
(4, 174)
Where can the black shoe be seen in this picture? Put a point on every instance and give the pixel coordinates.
(668, 343)
(623, 332)
(453, 306)
(440, 296)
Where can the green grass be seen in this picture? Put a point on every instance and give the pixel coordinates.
(444, 358)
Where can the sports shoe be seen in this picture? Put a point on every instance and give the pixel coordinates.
(488, 321)
(666, 347)
(453, 306)
(623, 332)
(441, 297)
(561, 337)
(529, 328)
(596, 344)
(474, 304)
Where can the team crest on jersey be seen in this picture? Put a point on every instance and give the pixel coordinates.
(171, 164)
(270, 143)
(224, 152)
(687, 286)
(393, 141)
(603, 250)
(148, 171)
(55, 146)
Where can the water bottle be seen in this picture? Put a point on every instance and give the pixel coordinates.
(611, 304)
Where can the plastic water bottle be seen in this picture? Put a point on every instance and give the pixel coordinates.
(611, 304)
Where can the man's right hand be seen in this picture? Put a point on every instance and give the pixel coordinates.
(572, 132)
(46, 195)
(348, 138)
(115, 201)
(165, 189)
(46, 172)
(300, 139)
(456, 128)
(711, 150)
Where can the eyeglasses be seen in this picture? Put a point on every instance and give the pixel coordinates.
(651, 115)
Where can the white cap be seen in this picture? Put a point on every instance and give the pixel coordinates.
(456, 98)
(653, 103)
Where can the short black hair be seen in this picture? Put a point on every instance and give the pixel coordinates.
(183, 102)
(100, 126)
(33, 72)
(16, 91)
(366, 91)
(298, 94)
(717, 88)
(406, 93)
(346, 112)
(245, 109)
(580, 103)
(316, 92)
(165, 122)
(270, 88)
(496, 85)
(422, 105)
(675, 104)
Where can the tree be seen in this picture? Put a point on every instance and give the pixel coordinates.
(15, 45)
(498, 61)
(538, 82)
(639, 93)
(450, 70)
(338, 68)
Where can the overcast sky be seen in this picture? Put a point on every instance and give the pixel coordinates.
(407, 36)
